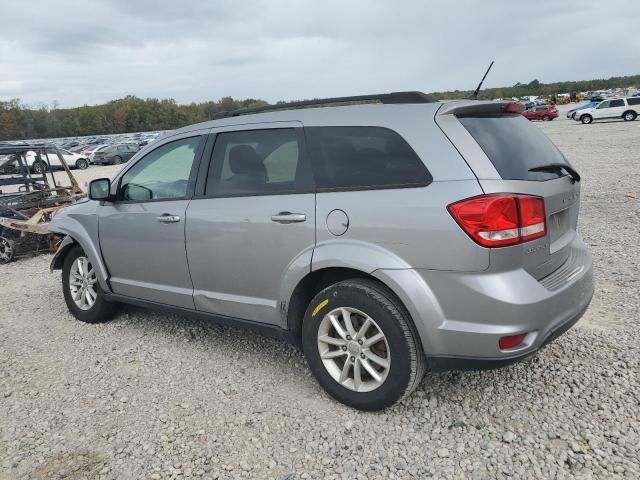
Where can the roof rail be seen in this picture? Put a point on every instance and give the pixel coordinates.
(394, 97)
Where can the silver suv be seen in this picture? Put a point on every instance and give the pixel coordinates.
(383, 238)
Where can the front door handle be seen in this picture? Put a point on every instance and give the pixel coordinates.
(288, 217)
(167, 218)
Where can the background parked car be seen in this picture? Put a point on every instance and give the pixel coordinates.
(571, 113)
(115, 154)
(546, 113)
(73, 160)
(626, 108)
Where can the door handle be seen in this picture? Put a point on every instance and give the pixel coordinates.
(288, 217)
(167, 218)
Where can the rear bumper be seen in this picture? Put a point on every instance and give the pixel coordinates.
(440, 364)
(460, 316)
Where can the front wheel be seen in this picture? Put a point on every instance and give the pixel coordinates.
(82, 292)
(629, 116)
(586, 119)
(38, 167)
(82, 164)
(546, 118)
(361, 345)
(117, 160)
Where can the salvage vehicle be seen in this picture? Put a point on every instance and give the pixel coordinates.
(73, 160)
(114, 154)
(627, 109)
(32, 199)
(545, 113)
(383, 238)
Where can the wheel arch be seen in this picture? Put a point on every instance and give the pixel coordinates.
(76, 233)
(629, 111)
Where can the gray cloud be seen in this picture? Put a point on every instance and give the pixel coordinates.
(97, 50)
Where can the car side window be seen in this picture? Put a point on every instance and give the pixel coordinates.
(363, 158)
(604, 105)
(617, 103)
(257, 162)
(633, 101)
(162, 174)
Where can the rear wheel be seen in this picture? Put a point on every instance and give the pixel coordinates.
(546, 118)
(361, 345)
(7, 250)
(586, 119)
(117, 160)
(629, 116)
(82, 164)
(38, 167)
(82, 292)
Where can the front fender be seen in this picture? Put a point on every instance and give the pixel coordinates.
(80, 225)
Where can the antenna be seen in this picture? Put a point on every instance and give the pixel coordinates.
(477, 90)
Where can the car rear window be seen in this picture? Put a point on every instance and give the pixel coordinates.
(363, 158)
(514, 145)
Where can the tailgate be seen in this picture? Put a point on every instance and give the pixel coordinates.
(501, 147)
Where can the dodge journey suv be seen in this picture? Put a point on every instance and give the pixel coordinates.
(383, 238)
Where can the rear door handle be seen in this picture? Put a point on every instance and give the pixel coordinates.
(167, 218)
(288, 217)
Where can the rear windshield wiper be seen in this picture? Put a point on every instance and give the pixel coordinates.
(558, 167)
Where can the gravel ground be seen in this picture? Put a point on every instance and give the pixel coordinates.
(156, 396)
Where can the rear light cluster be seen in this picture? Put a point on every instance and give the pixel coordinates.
(501, 219)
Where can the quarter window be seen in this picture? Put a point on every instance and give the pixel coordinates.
(162, 174)
(348, 158)
(633, 101)
(257, 162)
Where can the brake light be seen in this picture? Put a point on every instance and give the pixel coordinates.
(501, 219)
(513, 107)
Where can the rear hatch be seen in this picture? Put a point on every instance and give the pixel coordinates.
(501, 147)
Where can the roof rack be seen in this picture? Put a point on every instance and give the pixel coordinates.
(394, 97)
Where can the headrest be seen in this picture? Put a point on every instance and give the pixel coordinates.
(244, 160)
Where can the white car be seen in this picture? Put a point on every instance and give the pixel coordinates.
(73, 160)
(626, 108)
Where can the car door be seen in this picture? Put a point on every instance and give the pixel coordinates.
(142, 231)
(251, 227)
(602, 110)
(617, 108)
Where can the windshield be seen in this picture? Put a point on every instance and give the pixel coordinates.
(514, 145)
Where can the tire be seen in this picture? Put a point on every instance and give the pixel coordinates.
(101, 310)
(546, 118)
(629, 116)
(38, 167)
(82, 164)
(586, 119)
(10, 170)
(399, 348)
(117, 160)
(7, 250)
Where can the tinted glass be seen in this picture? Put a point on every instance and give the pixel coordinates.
(257, 162)
(633, 101)
(514, 145)
(363, 158)
(161, 174)
(604, 105)
(617, 103)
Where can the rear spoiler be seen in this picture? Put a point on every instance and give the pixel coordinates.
(474, 107)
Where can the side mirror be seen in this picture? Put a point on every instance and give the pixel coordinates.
(99, 189)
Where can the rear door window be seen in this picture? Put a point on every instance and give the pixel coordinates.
(514, 145)
(361, 158)
(617, 103)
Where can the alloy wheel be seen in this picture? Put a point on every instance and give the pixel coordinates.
(83, 283)
(353, 349)
(6, 250)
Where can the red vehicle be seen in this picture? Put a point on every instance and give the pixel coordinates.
(543, 112)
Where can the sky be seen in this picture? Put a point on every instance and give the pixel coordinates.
(92, 51)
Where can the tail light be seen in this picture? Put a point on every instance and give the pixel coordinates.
(501, 219)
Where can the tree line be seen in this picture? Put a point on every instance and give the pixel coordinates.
(131, 114)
